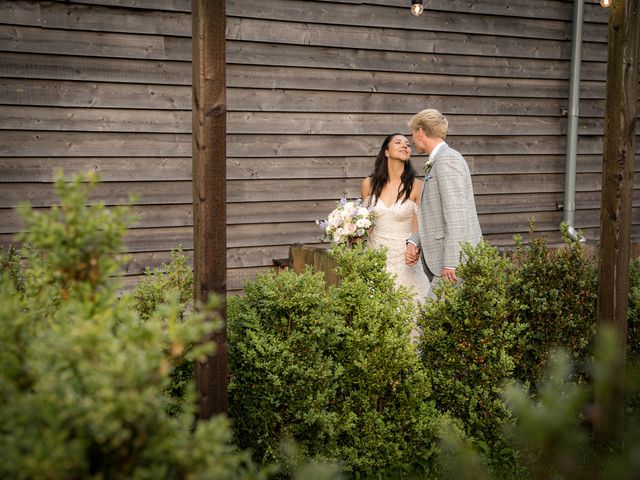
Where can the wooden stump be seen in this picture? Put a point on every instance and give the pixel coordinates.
(316, 256)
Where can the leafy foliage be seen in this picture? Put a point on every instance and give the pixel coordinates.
(10, 265)
(388, 422)
(72, 246)
(557, 291)
(470, 345)
(334, 372)
(317, 374)
(549, 431)
(633, 337)
(501, 323)
(552, 430)
(153, 291)
(81, 376)
(282, 375)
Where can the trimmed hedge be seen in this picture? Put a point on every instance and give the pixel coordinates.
(500, 324)
(556, 291)
(335, 372)
(470, 345)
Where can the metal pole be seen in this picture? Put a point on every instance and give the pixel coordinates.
(573, 116)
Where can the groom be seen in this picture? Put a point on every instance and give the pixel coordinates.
(447, 217)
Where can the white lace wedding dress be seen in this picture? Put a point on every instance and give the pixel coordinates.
(391, 229)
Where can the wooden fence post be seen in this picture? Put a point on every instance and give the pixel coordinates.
(209, 188)
(616, 206)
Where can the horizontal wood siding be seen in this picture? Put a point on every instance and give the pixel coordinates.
(105, 86)
(313, 87)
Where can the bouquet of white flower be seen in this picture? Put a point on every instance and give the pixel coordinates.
(348, 223)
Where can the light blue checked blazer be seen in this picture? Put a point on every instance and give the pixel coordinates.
(447, 217)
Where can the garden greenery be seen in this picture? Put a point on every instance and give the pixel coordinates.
(335, 372)
(500, 325)
(151, 293)
(82, 376)
(470, 344)
(552, 431)
(633, 337)
(556, 290)
(99, 385)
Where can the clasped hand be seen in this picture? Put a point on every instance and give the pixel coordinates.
(412, 254)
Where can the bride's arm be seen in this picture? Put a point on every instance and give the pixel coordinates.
(365, 189)
(414, 223)
(416, 191)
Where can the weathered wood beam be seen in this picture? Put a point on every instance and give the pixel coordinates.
(209, 189)
(617, 186)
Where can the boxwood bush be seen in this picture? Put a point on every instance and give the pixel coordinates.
(333, 371)
(633, 337)
(151, 293)
(556, 290)
(471, 343)
(501, 323)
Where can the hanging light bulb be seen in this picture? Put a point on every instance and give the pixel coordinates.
(417, 8)
(605, 3)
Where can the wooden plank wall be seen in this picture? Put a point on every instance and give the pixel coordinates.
(313, 87)
(100, 86)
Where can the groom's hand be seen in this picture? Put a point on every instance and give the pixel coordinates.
(449, 274)
(412, 254)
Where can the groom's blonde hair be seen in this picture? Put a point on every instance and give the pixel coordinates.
(432, 122)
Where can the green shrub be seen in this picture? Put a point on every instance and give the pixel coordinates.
(154, 290)
(388, 421)
(82, 377)
(633, 337)
(557, 291)
(283, 376)
(10, 265)
(548, 433)
(555, 430)
(552, 431)
(336, 372)
(459, 458)
(633, 332)
(72, 247)
(470, 344)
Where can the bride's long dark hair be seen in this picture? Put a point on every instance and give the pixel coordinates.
(380, 175)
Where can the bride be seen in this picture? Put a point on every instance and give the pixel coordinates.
(392, 191)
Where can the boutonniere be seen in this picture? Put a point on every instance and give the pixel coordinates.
(427, 167)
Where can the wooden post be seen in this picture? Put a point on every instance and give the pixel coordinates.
(617, 185)
(209, 188)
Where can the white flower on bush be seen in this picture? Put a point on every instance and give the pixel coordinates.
(350, 220)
